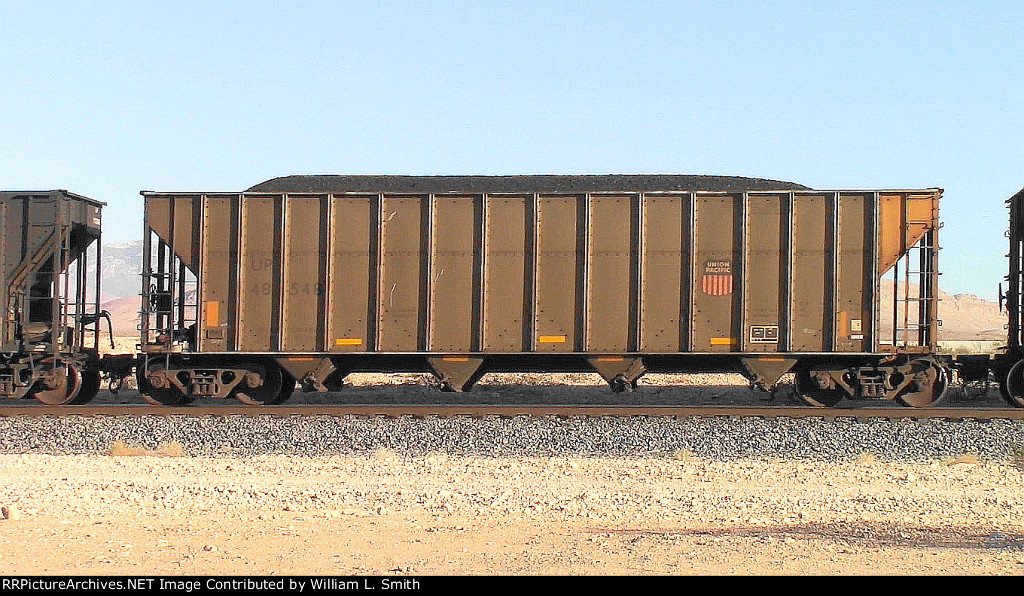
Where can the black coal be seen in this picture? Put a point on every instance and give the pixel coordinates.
(520, 184)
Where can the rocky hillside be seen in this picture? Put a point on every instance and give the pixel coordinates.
(124, 314)
(964, 317)
(122, 264)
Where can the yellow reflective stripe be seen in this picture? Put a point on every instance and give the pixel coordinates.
(551, 339)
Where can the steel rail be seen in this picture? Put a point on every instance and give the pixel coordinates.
(509, 411)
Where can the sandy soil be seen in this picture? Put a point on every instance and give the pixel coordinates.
(124, 514)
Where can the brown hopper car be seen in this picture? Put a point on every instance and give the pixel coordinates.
(310, 278)
(49, 330)
(1008, 364)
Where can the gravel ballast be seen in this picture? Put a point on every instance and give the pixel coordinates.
(710, 438)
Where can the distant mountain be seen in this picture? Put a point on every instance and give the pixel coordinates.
(964, 317)
(122, 266)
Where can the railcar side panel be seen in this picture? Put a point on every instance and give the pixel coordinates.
(666, 273)
(556, 326)
(259, 268)
(403, 272)
(610, 299)
(177, 218)
(218, 320)
(352, 287)
(714, 295)
(764, 276)
(453, 278)
(508, 277)
(185, 225)
(810, 265)
(855, 294)
(301, 326)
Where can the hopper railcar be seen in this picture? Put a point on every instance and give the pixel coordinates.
(50, 326)
(306, 279)
(1008, 365)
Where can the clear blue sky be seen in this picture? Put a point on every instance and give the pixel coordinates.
(107, 100)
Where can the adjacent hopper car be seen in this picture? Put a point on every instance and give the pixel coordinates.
(50, 327)
(303, 280)
(1009, 364)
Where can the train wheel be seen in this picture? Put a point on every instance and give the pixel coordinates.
(287, 388)
(1012, 386)
(162, 396)
(90, 387)
(929, 389)
(272, 391)
(62, 386)
(1001, 378)
(813, 395)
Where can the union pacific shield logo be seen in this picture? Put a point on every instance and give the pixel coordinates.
(717, 280)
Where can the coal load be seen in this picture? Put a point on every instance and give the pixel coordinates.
(520, 184)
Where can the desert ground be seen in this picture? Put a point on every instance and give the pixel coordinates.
(157, 512)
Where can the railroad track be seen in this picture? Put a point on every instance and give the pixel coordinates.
(508, 411)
